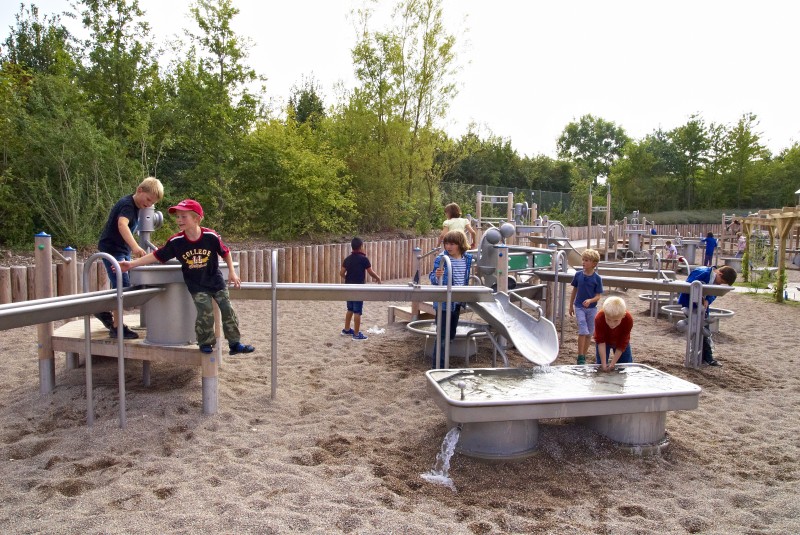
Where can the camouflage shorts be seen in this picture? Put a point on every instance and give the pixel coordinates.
(204, 326)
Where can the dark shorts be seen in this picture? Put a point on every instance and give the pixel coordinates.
(355, 306)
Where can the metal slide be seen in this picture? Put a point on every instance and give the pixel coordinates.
(37, 311)
(535, 339)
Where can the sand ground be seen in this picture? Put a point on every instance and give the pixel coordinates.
(342, 447)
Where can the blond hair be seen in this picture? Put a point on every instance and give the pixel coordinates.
(591, 254)
(614, 307)
(153, 186)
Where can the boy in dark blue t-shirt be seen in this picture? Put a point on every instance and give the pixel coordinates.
(117, 240)
(354, 270)
(587, 288)
(711, 245)
(708, 275)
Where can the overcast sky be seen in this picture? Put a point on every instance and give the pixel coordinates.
(530, 67)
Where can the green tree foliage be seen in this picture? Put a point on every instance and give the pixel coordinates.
(296, 186)
(747, 157)
(593, 144)
(691, 144)
(72, 171)
(121, 73)
(39, 44)
(81, 125)
(404, 87)
(214, 109)
(306, 105)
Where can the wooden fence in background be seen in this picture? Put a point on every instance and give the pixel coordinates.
(313, 264)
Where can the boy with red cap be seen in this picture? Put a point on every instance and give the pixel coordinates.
(197, 249)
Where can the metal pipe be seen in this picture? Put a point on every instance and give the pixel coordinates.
(274, 312)
(363, 292)
(120, 341)
(448, 317)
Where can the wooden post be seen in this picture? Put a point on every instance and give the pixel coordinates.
(19, 284)
(282, 260)
(259, 266)
(5, 285)
(44, 331)
(30, 280)
(286, 261)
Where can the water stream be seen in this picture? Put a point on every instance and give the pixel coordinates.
(441, 468)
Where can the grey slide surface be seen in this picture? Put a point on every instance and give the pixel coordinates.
(535, 339)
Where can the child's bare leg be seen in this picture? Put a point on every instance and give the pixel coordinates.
(356, 323)
(583, 344)
(347, 319)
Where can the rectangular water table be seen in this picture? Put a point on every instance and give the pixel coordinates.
(498, 409)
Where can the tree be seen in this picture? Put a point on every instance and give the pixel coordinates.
(214, 109)
(39, 45)
(691, 145)
(746, 153)
(295, 185)
(305, 103)
(121, 72)
(593, 144)
(404, 87)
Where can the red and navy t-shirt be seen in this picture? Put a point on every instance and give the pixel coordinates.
(199, 259)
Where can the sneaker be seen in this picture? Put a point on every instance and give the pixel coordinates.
(713, 363)
(206, 348)
(359, 336)
(239, 347)
(127, 333)
(581, 359)
(348, 332)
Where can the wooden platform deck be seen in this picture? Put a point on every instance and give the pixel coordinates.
(70, 338)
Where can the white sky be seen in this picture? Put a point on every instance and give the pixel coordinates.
(530, 67)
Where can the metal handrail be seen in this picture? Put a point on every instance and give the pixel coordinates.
(120, 341)
(448, 317)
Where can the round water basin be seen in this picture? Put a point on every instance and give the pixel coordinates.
(714, 315)
(663, 298)
(464, 345)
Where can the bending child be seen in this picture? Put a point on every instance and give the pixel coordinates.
(587, 288)
(197, 249)
(612, 332)
(708, 275)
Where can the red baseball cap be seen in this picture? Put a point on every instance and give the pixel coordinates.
(187, 205)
